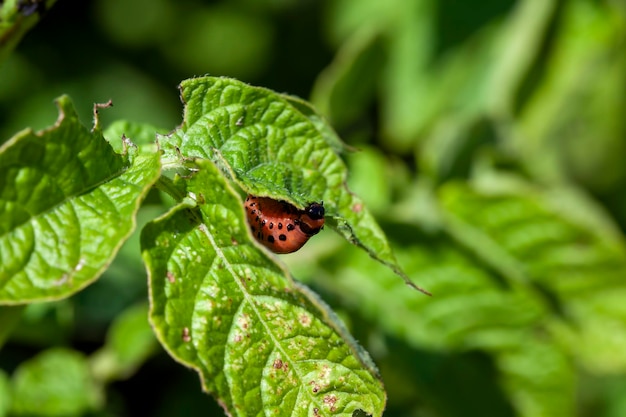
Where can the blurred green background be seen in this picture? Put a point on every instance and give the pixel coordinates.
(491, 142)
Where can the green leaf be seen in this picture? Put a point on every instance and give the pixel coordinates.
(131, 336)
(520, 45)
(67, 203)
(469, 309)
(130, 341)
(261, 343)
(556, 240)
(538, 377)
(538, 235)
(344, 89)
(572, 124)
(269, 148)
(137, 133)
(425, 82)
(56, 382)
(322, 125)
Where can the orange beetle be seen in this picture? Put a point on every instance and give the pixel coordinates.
(281, 227)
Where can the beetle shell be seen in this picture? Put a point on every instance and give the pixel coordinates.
(281, 227)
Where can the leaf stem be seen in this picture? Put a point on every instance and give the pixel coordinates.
(167, 185)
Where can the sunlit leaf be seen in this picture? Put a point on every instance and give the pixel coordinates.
(270, 148)
(137, 133)
(67, 203)
(219, 304)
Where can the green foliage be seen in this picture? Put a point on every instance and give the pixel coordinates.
(223, 307)
(129, 343)
(56, 382)
(63, 214)
(202, 246)
(489, 140)
(273, 150)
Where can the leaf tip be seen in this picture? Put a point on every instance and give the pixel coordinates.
(418, 288)
(65, 106)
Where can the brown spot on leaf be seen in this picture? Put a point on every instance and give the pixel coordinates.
(330, 400)
(305, 320)
(315, 385)
(186, 335)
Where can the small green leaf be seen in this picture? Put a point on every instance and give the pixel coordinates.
(344, 89)
(137, 133)
(131, 336)
(270, 148)
(220, 305)
(56, 382)
(520, 45)
(130, 341)
(67, 203)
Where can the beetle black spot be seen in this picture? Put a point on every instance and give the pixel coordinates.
(280, 226)
(257, 219)
(253, 212)
(290, 227)
(282, 237)
(253, 230)
(263, 222)
(271, 225)
(270, 239)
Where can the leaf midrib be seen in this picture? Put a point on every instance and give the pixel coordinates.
(249, 299)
